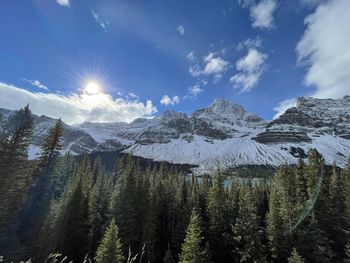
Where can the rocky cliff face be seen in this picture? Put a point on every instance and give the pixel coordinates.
(224, 133)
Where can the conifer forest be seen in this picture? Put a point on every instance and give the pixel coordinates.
(64, 208)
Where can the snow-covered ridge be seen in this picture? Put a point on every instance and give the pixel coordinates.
(223, 134)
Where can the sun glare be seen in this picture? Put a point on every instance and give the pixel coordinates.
(92, 88)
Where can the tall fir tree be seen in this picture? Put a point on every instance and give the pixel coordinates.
(15, 174)
(301, 185)
(192, 248)
(295, 257)
(72, 227)
(219, 222)
(37, 205)
(247, 233)
(110, 248)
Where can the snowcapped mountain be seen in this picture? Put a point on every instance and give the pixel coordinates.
(223, 134)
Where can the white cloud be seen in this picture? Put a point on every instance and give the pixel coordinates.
(283, 106)
(252, 61)
(180, 29)
(195, 90)
(324, 49)
(261, 13)
(251, 68)
(63, 2)
(99, 21)
(75, 108)
(166, 100)
(36, 83)
(214, 64)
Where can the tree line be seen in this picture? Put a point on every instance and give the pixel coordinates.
(66, 208)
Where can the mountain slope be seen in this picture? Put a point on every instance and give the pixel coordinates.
(222, 134)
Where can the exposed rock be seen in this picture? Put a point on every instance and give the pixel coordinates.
(276, 137)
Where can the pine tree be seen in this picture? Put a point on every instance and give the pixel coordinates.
(72, 229)
(301, 185)
(15, 174)
(338, 218)
(126, 203)
(50, 150)
(37, 205)
(98, 206)
(192, 248)
(312, 227)
(219, 223)
(168, 257)
(110, 248)
(246, 231)
(280, 216)
(295, 257)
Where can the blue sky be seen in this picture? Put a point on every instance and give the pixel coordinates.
(155, 55)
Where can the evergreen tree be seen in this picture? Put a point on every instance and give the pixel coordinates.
(246, 231)
(295, 257)
(219, 223)
(126, 203)
(50, 150)
(192, 248)
(301, 185)
(37, 205)
(338, 218)
(98, 205)
(110, 248)
(168, 258)
(72, 227)
(15, 174)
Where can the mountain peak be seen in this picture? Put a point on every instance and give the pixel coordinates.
(225, 106)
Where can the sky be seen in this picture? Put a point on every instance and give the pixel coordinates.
(118, 60)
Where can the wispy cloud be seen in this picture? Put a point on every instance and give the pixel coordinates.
(250, 68)
(103, 23)
(37, 84)
(250, 43)
(283, 106)
(195, 90)
(76, 108)
(180, 29)
(324, 49)
(133, 95)
(166, 100)
(63, 2)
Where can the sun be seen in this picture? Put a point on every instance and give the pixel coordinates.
(92, 87)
